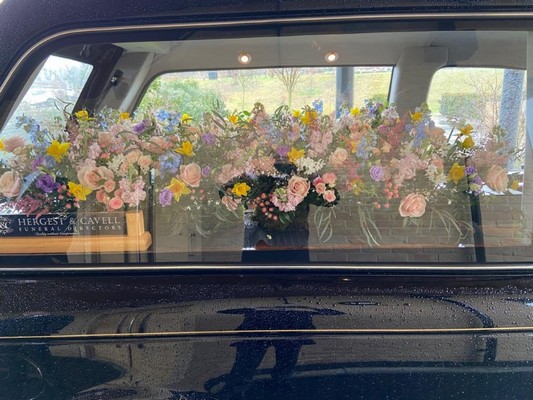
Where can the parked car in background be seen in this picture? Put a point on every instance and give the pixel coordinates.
(265, 200)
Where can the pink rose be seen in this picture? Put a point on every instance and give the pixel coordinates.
(497, 178)
(329, 178)
(109, 186)
(298, 186)
(413, 205)
(320, 186)
(105, 139)
(13, 143)
(329, 196)
(115, 203)
(10, 184)
(191, 174)
(102, 197)
(338, 157)
(94, 177)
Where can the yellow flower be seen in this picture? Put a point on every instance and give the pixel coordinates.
(456, 173)
(185, 118)
(82, 115)
(1, 146)
(57, 150)
(355, 111)
(295, 154)
(240, 189)
(515, 185)
(466, 130)
(123, 116)
(358, 186)
(178, 188)
(417, 116)
(308, 117)
(296, 113)
(79, 191)
(233, 119)
(185, 149)
(468, 143)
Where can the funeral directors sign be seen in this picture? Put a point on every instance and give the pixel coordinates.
(63, 224)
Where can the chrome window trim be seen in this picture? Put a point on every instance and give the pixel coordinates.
(251, 22)
(242, 268)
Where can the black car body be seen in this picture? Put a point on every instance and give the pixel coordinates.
(418, 320)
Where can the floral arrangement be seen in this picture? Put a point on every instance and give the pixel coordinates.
(275, 165)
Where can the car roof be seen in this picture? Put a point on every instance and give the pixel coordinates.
(24, 22)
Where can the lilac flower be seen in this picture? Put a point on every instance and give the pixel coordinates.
(206, 171)
(37, 162)
(470, 170)
(376, 172)
(283, 150)
(46, 183)
(208, 138)
(361, 149)
(165, 197)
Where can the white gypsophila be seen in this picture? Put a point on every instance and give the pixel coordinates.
(116, 162)
(435, 176)
(308, 166)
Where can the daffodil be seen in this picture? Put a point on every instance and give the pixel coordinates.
(233, 119)
(185, 118)
(515, 185)
(240, 189)
(124, 116)
(468, 143)
(295, 154)
(355, 111)
(185, 149)
(466, 130)
(457, 172)
(79, 191)
(178, 188)
(82, 115)
(1, 146)
(57, 150)
(296, 113)
(417, 116)
(308, 117)
(358, 186)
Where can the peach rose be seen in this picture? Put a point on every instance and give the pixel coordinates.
(413, 205)
(230, 203)
(338, 157)
(133, 156)
(10, 184)
(105, 139)
(13, 143)
(94, 177)
(497, 178)
(329, 196)
(320, 187)
(298, 186)
(191, 174)
(109, 186)
(102, 197)
(144, 161)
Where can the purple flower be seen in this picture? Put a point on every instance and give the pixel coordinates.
(206, 171)
(283, 150)
(139, 128)
(165, 197)
(470, 170)
(376, 172)
(37, 162)
(46, 183)
(208, 138)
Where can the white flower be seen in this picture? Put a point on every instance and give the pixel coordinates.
(308, 166)
(115, 163)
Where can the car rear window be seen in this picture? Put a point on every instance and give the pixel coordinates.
(352, 148)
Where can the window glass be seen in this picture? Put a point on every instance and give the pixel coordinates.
(340, 148)
(56, 87)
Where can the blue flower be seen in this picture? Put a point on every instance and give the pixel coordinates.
(162, 115)
(318, 105)
(169, 163)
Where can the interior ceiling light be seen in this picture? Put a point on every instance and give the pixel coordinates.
(332, 56)
(244, 58)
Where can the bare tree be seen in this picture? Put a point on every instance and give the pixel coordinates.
(289, 78)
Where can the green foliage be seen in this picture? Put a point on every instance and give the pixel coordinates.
(185, 96)
(463, 106)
